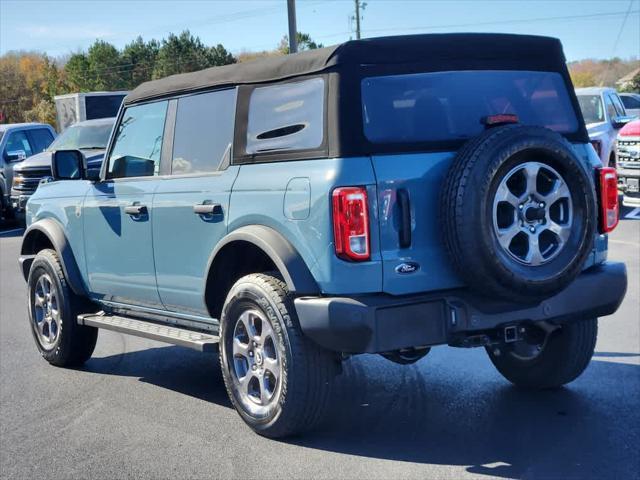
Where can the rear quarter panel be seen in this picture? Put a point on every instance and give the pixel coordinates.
(304, 218)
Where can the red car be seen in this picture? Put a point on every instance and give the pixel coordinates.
(629, 163)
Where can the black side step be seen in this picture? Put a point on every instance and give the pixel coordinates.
(203, 342)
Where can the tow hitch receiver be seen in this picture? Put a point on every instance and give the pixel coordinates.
(512, 334)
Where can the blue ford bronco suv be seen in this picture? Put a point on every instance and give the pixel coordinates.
(380, 196)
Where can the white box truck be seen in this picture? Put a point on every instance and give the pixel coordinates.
(77, 107)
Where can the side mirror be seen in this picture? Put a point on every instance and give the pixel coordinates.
(620, 121)
(68, 165)
(15, 155)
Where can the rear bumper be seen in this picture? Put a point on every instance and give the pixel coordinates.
(383, 323)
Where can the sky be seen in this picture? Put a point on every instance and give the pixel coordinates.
(587, 28)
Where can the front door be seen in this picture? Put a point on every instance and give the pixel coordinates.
(118, 211)
(191, 204)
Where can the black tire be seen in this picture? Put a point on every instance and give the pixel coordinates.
(466, 213)
(72, 344)
(565, 354)
(306, 370)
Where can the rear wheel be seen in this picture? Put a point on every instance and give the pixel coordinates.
(53, 309)
(547, 358)
(278, 380)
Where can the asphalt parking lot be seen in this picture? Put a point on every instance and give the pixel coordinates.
(147, 410)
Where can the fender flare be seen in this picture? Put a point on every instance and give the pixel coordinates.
(285, 257)
(55, 233)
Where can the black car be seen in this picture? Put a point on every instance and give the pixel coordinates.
(90, 137)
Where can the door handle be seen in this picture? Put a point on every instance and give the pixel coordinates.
(209, 209)
(135, 210)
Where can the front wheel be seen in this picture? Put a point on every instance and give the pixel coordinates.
(547, 359)
(278, 380)
(53, 309)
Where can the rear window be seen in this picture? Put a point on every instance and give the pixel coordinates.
(445, 106)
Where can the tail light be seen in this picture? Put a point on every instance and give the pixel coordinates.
(351, 223)
(609, 208)
(597, 146)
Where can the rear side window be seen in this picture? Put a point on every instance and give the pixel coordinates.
(203, 131)
(138, 141)
(41, 138)
(445, 106)
(286, 117)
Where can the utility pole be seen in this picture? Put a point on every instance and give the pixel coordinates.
(359, 6)
(357, 19)
(293, 31)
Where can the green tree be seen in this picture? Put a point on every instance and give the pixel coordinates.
(138, 61)
(180, 54)
(305, 42)
(219, 55)
(76, 72)
(104, 66)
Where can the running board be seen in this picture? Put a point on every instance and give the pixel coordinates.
(203, 342)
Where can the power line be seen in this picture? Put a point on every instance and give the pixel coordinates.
(624, 21)
(503, 22)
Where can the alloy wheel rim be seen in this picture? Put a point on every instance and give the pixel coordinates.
(255, 362)
(46, 316)
(532, 213)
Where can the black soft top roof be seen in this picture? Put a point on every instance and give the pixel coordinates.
(433, 51)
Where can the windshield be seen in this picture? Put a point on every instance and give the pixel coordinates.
(78, 137)
(441, 106)
(591, 106)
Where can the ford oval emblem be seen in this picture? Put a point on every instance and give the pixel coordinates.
(407, 267)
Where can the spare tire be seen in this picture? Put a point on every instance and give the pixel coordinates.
(518, 213)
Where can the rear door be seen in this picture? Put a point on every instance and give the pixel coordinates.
(423, 119)
(191, 204)
(118, 211)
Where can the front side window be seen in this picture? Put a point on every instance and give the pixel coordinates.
(592, 109)
(41, 139)
(618, 105)
(447, 106)
(286, 117)
(608, 105)
(83, 137)
(138, 141)
(17, 146)
(203, 131)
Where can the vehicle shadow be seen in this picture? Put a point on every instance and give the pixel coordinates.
(446, 413)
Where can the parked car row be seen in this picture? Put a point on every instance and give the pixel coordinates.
(17, 142)
(90, 137)
(604, 114)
